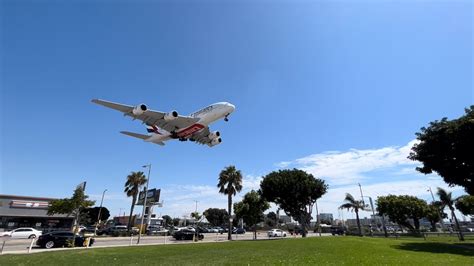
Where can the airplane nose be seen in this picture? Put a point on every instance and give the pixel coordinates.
(232, 107)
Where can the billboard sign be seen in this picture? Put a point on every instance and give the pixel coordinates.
(153, 197)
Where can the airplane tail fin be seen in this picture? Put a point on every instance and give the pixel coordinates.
(140, 136)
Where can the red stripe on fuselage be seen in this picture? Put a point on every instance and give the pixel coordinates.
(190, 130)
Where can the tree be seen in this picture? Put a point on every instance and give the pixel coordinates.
(446, 147)
(176, 221)
(167, 220)
(197, 216)
(465, 204)
(433, 214)
(216, 217)
(93, 213)
(132, 186)
(294, 191)
(271, 219)
(355, 205)
(402, 209)
(251, 209)
(448, 201)
(230, 182)
(71, 206)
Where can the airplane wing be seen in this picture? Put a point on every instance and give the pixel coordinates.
(141, 136)
(202, 137)
(151, 117)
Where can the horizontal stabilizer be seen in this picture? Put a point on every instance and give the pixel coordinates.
(140, 136)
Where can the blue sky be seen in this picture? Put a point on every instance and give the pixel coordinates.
(315, 83)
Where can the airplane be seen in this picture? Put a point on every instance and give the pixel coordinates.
(165, 126)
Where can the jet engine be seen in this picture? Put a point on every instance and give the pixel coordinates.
(171, 115)
(214, 134)
(215, 142)
(139, 109)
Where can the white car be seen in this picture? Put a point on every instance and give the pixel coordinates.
(276, 233)
(23, 232)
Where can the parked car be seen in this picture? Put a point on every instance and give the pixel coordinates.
(61, 239)
(222, 230)
(276, 233)
(186, 234)
(23, 232)
(116, 230)
(156, 230)
(202, 230)
(337, 230)
(238, 231)
(212, 230)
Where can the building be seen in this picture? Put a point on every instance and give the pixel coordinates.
(25, 211)
(325, 218)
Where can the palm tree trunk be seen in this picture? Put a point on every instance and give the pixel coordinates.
(129, 226)
(255, 232)
(358, 222)
(229, 201)
(461, 236)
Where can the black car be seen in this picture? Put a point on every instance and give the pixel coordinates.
(185, 234)
(336, 230)
(61, 239)
(238, 231)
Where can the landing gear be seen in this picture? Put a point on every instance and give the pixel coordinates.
(226, 118)
(183, 139)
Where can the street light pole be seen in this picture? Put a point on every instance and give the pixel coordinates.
(361, 195)
(196, 206)
(100, 211)
(439, 214)
(431, 191)
(144, 202)
(317, 218)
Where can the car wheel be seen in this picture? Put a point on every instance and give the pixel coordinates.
(49, 244)
(32, 236)
(284, 235)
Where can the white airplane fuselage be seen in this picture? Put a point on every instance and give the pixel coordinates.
(206, 116)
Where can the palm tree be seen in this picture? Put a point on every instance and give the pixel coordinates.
(355, 205)
(132, 187)
(230, 182)
(448, 201)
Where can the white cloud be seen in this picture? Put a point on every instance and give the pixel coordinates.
(340, 168)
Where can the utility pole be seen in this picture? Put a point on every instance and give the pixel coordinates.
(100, 211)
(144, 202)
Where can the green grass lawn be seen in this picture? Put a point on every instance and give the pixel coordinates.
(324, 250)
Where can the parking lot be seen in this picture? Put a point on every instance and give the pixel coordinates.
(19, 246)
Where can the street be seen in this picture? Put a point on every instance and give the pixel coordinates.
(21, 246)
